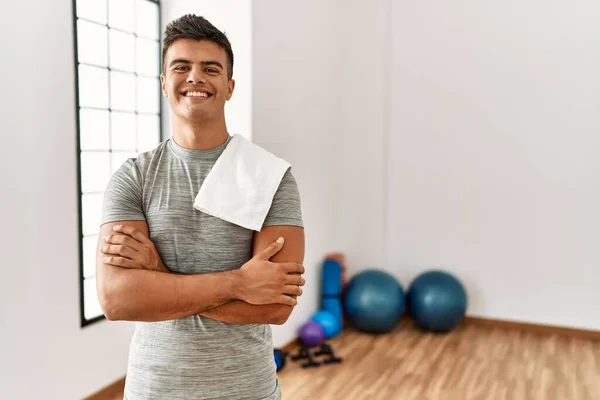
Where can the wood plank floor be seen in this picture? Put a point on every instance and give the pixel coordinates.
(472, 362)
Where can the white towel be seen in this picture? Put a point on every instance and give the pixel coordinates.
(240, 186)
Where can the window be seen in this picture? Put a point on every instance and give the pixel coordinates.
(117, 68)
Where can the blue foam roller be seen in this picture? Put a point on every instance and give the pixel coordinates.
(332, 278)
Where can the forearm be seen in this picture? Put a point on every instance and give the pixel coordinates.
(142, 295)
(240, 312)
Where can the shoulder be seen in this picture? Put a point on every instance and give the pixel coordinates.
(288, 182)
(286, 208)
(147, 159)
(136, 168)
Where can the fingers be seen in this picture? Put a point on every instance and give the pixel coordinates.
(296, 280)
(119, 250)
(133, 232)
(287, 300)
(122, 240)
(119, 262)
(292, 290)
(271, 250)
(293, 268)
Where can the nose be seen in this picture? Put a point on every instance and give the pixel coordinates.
(195, 76)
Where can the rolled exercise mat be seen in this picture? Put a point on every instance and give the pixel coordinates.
(331, 292)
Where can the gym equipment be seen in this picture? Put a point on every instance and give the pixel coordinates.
(325, 349)
(331, 292)
(311, 334)
(437, 301)
(374, 301)
(304, 353)
(341, 259)
(280, 357)
(328, 321)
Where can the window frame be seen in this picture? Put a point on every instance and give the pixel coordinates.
(84, 322)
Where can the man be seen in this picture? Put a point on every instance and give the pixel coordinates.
(202, 290)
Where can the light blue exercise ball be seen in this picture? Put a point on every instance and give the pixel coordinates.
(328, 322)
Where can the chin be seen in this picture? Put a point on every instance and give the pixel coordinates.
(196, 116)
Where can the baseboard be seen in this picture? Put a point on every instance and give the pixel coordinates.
(503, 324)
(110, 392)
(533, 327)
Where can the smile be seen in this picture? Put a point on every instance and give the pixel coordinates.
(197, 94)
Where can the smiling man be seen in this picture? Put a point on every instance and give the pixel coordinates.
(202, 290)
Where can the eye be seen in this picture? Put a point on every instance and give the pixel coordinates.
(181, 68)
(211, 71)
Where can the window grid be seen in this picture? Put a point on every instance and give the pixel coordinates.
(86, 197)
(110, 69)
(115, 28)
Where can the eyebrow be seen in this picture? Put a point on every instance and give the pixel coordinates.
(204, 63)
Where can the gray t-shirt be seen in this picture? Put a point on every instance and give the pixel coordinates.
(194, 357)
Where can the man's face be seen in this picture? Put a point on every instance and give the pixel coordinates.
(195, 79)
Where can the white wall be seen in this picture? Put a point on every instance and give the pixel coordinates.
(234, 17)
(44, 352)
(360, 154)
(493, 158)
(296, 115)
(319, 101)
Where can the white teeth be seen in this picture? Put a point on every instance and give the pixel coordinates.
(196, 94)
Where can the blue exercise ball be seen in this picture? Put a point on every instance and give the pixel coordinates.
(437, 301)
(374, 301)
(328, 322)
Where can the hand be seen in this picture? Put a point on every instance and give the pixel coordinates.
(266, 282)
(131, 248)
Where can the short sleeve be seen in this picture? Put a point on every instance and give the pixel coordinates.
(123, 195)
(286, 207)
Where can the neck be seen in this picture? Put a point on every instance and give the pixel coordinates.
(195, 135)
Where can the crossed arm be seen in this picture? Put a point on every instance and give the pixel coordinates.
(145, 290)
(238, 311)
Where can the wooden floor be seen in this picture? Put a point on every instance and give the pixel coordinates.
(473, 362)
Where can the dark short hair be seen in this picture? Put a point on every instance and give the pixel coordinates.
(191, 26)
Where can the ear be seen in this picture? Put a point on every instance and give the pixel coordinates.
(230, 87)
(162, 85)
